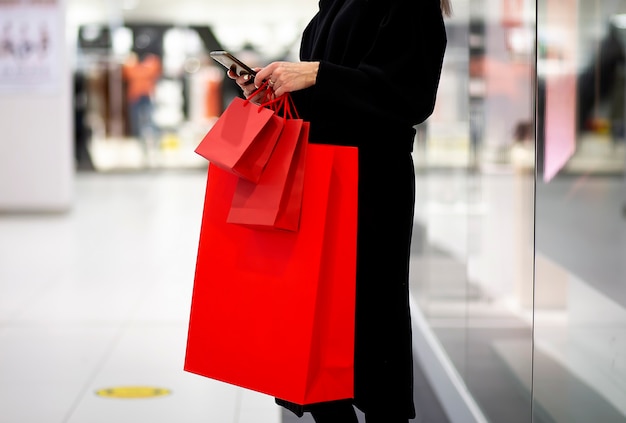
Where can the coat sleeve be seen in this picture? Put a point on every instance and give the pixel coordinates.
(397, 79)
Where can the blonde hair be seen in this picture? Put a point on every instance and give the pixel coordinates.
(446, 7)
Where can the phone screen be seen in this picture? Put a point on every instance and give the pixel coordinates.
(231, 62)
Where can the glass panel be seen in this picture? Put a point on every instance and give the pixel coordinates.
(473, 245)
(580, 297)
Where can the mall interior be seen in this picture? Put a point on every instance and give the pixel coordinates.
(518, 263)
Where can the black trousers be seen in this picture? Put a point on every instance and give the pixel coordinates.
(343, 412)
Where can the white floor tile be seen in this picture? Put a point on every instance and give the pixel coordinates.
(256, 407)
(44, 369)
(152, 354)
(35, 403)
(99, 298)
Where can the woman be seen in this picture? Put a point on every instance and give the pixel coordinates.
(368, 74)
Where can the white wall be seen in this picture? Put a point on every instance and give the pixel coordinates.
(36, 140)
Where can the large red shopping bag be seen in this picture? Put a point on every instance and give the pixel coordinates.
(274, 202)
(273, 311)
(242, 139)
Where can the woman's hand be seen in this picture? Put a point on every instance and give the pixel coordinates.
(245, 82)
(285, 77)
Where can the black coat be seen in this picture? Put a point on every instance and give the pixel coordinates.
(380, 62)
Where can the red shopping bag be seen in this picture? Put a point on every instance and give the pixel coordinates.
(273, 311)
(274, 202)
(242, 139)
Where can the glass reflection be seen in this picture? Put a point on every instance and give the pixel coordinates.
(580, 301)
(473, 247)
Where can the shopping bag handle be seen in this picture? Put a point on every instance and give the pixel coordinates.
(265, 100)
(283, 105)
(291, 107)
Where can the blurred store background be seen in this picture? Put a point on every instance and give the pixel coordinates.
(190, 92)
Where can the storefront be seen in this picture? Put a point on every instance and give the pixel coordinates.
(519, 257)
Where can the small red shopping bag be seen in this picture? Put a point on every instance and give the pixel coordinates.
(242, 139)
(273, 311)
(274, 202)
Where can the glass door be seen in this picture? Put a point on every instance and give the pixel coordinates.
(580, 226)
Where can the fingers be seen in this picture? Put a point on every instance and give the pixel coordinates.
(281, 77)
(284, 77)
(279, 91)
(266, 74)
(248, 89)
(245, 80)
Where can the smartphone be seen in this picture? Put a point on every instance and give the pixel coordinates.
(232, 63)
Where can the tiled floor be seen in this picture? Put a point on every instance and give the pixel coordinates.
(99, 298)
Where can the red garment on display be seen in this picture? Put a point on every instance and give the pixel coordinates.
(141, 77)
